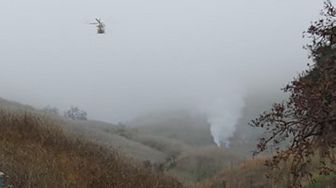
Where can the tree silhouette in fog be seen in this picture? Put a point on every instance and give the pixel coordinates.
(75, 113)
(303, 128)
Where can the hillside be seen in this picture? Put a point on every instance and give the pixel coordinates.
(61, 149)
(253, 173)
(189, 128)
(35, 151)
(56, 152)
(184, 137)
(111, 136)
(202, 163)
(245, 137)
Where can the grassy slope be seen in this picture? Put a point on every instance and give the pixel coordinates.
(109, 136)
(153, 139)
(36, 152)
(182, 126)
(202, 163)
(187, 137)
(250, 173)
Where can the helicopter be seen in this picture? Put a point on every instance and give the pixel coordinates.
(100, 26)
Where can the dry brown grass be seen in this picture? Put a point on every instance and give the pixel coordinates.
(253, 173)
(201, 163)
(248, 174)
(36, 152)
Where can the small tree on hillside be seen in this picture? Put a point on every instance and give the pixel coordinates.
(307, 121)
(75, 113)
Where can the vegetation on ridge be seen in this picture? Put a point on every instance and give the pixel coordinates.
(36, 152)
(307, 121)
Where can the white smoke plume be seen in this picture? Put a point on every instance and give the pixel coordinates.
(222, 103)
(223, 115)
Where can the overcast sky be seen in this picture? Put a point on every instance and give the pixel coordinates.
(155, 54)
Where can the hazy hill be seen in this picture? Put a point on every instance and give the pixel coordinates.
(155, 137)
(112, 137)
(189, 128)
(202, 163)
(245, 137)
(159, 136)
(35, 151)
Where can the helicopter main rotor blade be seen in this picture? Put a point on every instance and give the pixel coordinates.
(98, 20)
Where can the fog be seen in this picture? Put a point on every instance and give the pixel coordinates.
(156, 55)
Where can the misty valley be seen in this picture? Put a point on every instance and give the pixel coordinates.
(177, 143)
(168, 94)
